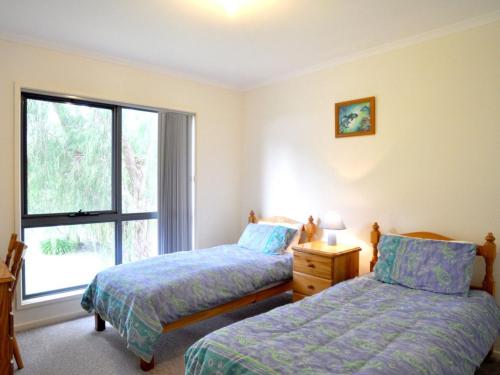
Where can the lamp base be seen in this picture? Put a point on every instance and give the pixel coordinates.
(332, 238)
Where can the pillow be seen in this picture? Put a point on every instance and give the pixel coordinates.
(296, 237)
(433, 265)
(388, 246)
(268, 239)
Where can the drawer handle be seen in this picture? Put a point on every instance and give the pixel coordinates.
(310, 265)
(310, 287)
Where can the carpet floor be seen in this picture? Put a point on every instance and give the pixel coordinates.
(74, 348)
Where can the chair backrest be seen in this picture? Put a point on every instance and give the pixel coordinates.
(10, 249)
(14, 260)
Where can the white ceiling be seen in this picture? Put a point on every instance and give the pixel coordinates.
(264, 40)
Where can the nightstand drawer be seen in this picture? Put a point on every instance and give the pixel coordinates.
(312, 264)
(309, 285)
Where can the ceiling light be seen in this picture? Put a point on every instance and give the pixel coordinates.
(232, 6)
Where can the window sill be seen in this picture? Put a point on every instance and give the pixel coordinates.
(48, 300)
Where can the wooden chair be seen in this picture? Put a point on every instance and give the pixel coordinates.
(14, 261)
(10, 249)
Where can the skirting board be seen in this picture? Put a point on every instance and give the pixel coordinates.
(53, 320)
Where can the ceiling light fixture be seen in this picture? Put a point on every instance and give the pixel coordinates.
(232, 6)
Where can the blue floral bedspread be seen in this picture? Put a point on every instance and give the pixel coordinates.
(362, 326)
(137, 298)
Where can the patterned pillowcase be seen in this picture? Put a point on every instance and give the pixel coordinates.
(268, 239)
(436, 266)
(388, 246)
(295, 238)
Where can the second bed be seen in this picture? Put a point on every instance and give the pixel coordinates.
(366, 326)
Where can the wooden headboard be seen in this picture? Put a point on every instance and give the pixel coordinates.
(308, 229)
(488, 251)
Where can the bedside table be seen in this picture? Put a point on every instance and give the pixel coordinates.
(317, 266)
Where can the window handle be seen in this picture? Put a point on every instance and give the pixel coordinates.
(83, 213)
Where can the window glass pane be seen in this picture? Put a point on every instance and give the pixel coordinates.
(67, 256)
(68, 157)
(139, 161)
(140, 240)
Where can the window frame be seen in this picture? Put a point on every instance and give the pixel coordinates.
(114, 215)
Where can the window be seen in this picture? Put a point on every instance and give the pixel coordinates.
(89, 190)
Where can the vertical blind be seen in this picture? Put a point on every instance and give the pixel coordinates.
(175, 182)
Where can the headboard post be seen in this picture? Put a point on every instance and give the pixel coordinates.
(252, 218)
(489, 252)
(310, 228)
(375, 237)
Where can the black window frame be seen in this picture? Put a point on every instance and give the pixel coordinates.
(114, 215)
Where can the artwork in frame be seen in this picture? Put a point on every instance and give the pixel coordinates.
(355, 117)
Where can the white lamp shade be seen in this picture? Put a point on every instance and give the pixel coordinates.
(332, 220)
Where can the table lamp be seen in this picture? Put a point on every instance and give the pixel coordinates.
(332, 222)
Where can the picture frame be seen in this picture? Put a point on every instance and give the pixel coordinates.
(355, 117)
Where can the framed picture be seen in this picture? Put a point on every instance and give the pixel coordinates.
(355, 117)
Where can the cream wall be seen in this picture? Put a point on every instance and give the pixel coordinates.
(218, 148)
(432, 165)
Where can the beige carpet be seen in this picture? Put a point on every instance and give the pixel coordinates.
(74, 348)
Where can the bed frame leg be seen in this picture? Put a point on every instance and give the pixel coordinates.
(490, 353)
(100, 324)
(147, 366)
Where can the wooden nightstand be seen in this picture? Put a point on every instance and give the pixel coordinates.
(317, 266)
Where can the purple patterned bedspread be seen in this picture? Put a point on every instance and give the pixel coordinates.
(138, 298)
(362, 326)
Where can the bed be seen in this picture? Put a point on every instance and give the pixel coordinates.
(361, 326)
(145, 299)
